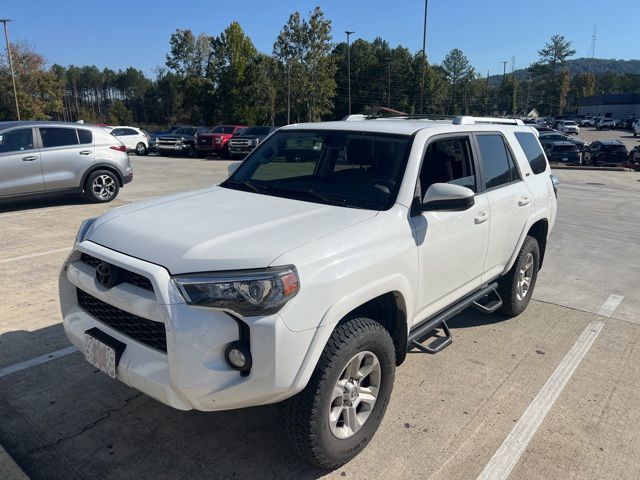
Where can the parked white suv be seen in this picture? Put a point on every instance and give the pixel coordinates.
(305, 277)
(133, 138)
(568, 126)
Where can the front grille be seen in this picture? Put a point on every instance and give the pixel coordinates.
(240, 142)
(168, 141)
(205, 141)
(127, 276)
(147, 332)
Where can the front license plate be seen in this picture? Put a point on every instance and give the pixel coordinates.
(565, 159)
(102, 351)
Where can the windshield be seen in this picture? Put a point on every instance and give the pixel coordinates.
(344, 168)
(184, 131)
(223, 129)
(257, 131)
(569, 123)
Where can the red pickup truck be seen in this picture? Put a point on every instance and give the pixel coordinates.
(216, 142)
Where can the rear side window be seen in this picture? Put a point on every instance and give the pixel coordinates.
(85, 136)
(16, 140)
(532, 151)
(58, 137)
(497, 164)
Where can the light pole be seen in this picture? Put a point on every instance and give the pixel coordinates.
(349, 33)
(504, 70)
(13, 77)
(424, 55)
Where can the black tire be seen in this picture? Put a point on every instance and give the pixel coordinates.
(101, 186)
(191, 152)
(306, 416)
(513, 303)
(141, 149)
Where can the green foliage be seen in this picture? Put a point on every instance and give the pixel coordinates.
(119, 114)
(222, 79)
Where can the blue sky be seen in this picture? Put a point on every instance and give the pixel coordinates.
(118, 34)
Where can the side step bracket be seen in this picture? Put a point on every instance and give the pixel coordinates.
(486, 300)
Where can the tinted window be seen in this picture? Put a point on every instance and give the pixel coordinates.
(350, 169)
(16, 140)
(497, 165)
(116, 132)
(448, 161)
(223, 129)
(85, 136)
(532, 151)
(58, 137)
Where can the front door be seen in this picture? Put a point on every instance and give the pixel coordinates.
(20, 164)
(452, 245)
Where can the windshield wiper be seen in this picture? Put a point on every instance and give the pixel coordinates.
(254, 187)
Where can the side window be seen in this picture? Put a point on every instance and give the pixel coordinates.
(532, 151)
(448, 161)
(58, 137)
(129, 131)
(116, 132)
(16, 140)
(497, 165)
(85, 136)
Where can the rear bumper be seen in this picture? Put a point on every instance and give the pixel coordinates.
(128, 178)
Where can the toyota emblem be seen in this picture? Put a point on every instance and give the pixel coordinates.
(105, 275)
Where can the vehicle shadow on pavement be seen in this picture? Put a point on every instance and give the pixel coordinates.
(65, 419)
(34, 203)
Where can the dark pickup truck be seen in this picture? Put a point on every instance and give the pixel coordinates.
(241, 145)
(181, 141)
(605, 153)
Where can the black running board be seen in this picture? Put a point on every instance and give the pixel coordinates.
(440, 320)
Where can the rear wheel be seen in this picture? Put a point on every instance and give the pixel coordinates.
(101, 186)
(333, 419)
(516, 287)
(141, 149)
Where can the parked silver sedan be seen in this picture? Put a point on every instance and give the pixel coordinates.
(60, 157)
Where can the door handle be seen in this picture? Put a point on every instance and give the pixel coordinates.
(29, 158)
(524, 201)
(85, 152)
(482, 217)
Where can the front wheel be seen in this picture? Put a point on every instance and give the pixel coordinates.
(333, 419)
(516, 287)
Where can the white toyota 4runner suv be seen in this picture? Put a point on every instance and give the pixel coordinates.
(307, 275)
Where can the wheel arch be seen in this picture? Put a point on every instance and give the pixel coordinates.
(102, 166)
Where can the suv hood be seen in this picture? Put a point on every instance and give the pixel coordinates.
(218, 229)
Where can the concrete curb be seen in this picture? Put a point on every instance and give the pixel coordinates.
(9, 469)
(602, 169)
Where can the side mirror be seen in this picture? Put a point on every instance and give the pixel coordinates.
(231, 169)
(445, 196)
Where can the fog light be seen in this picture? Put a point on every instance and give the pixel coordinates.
(238, 357)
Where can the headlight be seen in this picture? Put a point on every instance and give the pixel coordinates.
(84, 229)
(256, 292)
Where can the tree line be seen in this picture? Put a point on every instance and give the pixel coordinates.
(213, 79)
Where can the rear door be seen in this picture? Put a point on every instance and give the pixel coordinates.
(20, 164)
(510, 200)
(66, 154)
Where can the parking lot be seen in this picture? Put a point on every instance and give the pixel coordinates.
(449, 414)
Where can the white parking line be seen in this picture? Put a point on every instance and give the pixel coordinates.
(36, 361)
(506, 457)
(32, 255)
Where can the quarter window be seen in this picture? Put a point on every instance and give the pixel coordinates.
(531, 147)
(85, 136)
(58, 137)
(497, 164)
(16, 140)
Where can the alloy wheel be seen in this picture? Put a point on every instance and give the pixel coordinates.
(103, 187)
(524, 277)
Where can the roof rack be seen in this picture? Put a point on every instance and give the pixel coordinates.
(467, 120)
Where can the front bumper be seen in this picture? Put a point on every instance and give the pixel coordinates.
(178, 147)
(193, 374)
(213, 148)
